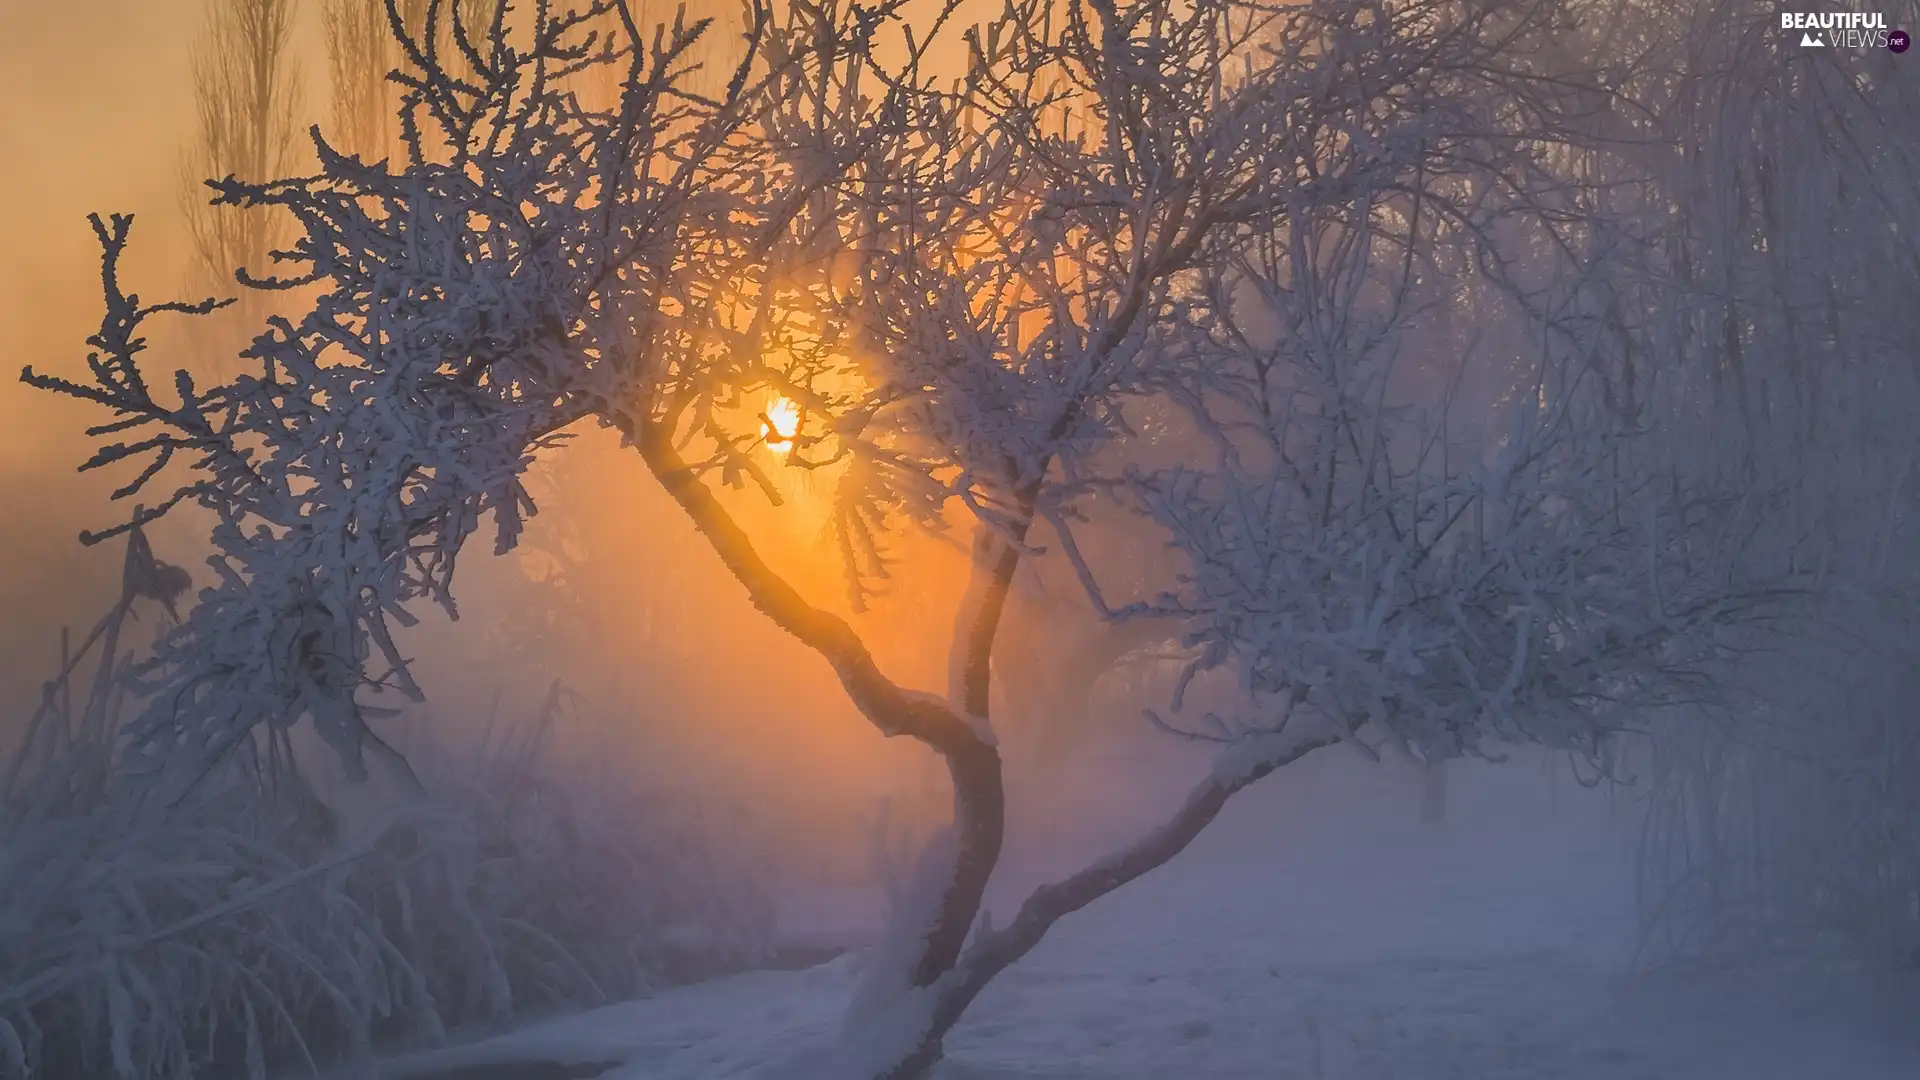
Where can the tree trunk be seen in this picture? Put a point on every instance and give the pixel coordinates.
(994, 951)
(948, 971)
(954, 727)
(979, 823)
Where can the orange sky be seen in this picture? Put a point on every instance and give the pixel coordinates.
(95, 106)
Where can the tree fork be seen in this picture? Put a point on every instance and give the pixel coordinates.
(979, 779)
(1047, 905)
(979, 792)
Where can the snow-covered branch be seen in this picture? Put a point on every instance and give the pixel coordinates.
(472, 302)
(1199, 262)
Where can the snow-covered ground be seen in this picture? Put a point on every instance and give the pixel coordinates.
(1293, 943)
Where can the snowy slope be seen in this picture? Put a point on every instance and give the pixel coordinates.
(1496, 951)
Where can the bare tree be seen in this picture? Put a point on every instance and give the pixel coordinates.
(246, 95)
(360, 52)
(954, 303)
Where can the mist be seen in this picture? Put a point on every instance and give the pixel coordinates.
(883, 683)
(97, 105)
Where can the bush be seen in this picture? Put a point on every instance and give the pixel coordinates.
(247, 928)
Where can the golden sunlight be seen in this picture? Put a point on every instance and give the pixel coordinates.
(780, 424)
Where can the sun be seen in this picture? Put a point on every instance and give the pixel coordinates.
(780, 424)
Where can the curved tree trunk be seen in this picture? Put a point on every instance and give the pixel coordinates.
(945, 972)
(954, 727)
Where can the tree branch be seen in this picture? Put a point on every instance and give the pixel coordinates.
(995, 952)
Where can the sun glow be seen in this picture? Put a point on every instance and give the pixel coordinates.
(780, 424)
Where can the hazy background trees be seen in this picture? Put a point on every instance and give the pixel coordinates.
(360, 52)
(247, 94)
(1772, 294)
(1738, 283)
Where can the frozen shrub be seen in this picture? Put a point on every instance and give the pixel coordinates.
(245, 928)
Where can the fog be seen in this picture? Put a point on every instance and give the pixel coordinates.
(97, 104)
(616, 642)
(668, 657)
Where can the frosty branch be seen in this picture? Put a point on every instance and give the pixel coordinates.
(1193, 256)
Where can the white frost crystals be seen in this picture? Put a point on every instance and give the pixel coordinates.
(379, 428)
(1352, 559)
(1285, 311)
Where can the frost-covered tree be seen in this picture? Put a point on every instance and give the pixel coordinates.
(1163, 263)
(1763, 261)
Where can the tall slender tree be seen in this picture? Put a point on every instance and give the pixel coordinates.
(360, 52)
(247, 87)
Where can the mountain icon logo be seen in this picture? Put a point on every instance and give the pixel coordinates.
(1808, 41)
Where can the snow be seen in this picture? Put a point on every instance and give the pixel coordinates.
(913, 907)
(1493, 951)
